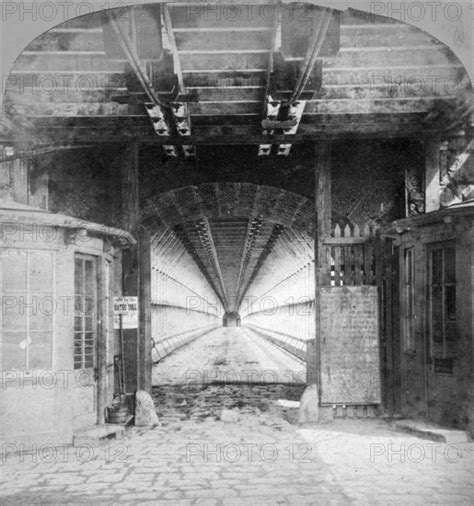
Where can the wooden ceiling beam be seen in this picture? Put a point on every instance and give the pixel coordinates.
(144, 136)
(271, 107)
(180, 110)
(222, 41)
(294, 104)
(312, 123)
(155, 108)
(230, 60)
(312, 54)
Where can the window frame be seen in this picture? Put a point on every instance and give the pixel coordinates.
(443, 284)
(409, 305)
(29, 294)
(83, 257)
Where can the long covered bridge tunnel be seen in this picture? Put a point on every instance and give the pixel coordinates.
(231, 254)
(272, 201)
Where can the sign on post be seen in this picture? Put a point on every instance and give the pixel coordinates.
(127, 307)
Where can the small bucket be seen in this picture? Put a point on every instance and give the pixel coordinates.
(118, 414)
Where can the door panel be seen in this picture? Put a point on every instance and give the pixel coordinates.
(85, 340)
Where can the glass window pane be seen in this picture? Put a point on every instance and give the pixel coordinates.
(408, 265)
(409, 302)
(437, 331)
(89, 336)
(88, 306)
(88, 324)
(449, 265)
(14, 270)
(41, 351)
(85, 305)
(451, 331)
(437, 303)
(14, 312)
(41, 321)
(450, 303)
(437, 266)
(78, 276)
(41, 271)
(77, 323)
(14, 351)
(89, 277)
(438, 350)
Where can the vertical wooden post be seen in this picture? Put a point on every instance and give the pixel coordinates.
(432, 174)
(130, 205)
(322, 200)
(144, 364)
(104, 283)
(130, 220)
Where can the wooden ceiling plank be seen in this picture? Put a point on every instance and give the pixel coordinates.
(343, 130)
(210, 14)
(222, 41)
(220, 29)
(64, 62)
(230, 61)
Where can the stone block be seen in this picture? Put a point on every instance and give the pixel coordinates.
(228, 415)
(145, 413)
(309, 405)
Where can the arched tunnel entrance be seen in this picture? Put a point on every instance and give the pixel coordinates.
(232, 279)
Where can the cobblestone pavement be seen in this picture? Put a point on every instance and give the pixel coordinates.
(229, 355)
(258, 459)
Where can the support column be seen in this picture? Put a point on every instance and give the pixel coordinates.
(322, 198)
(130, 270)
(432, 174)
(144, 362)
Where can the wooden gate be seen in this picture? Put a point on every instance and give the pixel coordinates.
(356, 286)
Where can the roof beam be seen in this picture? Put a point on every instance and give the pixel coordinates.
(346, 130)
(155, 107)
(132, 56)
(271, 107)
(180, 110)
(312, 53)
(295, 106)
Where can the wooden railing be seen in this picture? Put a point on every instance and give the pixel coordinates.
(293, 345)
(164, 347)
